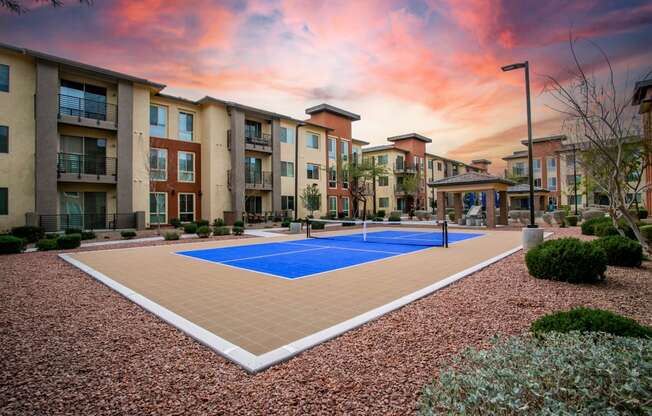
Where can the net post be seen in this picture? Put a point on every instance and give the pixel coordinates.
(364, 230)
(307, 227)
(445, 234)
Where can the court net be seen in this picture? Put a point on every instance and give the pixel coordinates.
(420, 233)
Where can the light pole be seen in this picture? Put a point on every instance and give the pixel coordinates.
(526, 66)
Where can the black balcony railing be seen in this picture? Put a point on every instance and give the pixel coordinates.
(404, 167)
(87, 221)
(257, 179)
(399, 189)
(70, 163)
(263, 140)
(86, 108)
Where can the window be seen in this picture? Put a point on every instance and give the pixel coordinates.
(287, 202)
(332, 177)
(186, 167)
(83, 100)
(4, 139)
(332, 148)
(158, 208)
(158, 164)
(400, 164)
(570, 199)
(4, 78)
(383, 202)
(186, 207)
(254, 205)
(552, 184)
(253, 170)
(518, 169)
(570, 180)
(312, 171)
(345, 205)
(312, 140)
(383, 180)
(287, 169)
(287, 135)
(630, 196)
(253, 129)
(158, 116)
(185, 126)
(345, 179)
(382, 160)
(537, 182)
(552, 167)
(332, 205)
(536, 167)
(344, 151)
(439, 166)
(356, 155)
(430, 164)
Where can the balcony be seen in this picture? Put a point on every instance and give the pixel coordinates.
(404, 167)
(83, 168)
(86, 112)
(262, 143)
(399, 189)
(258, 180)
(87, 221)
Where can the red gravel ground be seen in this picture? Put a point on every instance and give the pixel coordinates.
(69, 345)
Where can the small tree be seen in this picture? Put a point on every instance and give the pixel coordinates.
(311, 198)
(411, 186)
(605, 129)
(361, 177)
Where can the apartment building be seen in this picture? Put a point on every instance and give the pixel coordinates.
(405, 157)
(88, 147)
(642, 98)
(342, 149)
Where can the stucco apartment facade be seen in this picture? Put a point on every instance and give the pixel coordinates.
(406, 156)
(88, 147)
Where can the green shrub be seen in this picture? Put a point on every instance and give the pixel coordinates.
(28, 233)
(588, 226)
(170, 236)
(218, 222)
(590, 320)
(190, 228)
(285, 223)
(46, 244)
(222, 230)
(204, 231)
(646, 232)
(238, 224)
(558, 374)
(451, 216)
(88, 235)
(68, 241)
(238, 230)
(571, 220)
(11, 245)
(380, 213)
(394, 218)
(621, 251)
(73, 231)
(175, 222)
(317, 225)
(201, 223)
(642, 213)
(52, 236)
(604, 229)
(128, 234)
(567, 259)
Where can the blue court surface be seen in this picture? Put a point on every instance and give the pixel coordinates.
(302, 258)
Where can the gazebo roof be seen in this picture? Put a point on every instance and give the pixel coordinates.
(470, 178)
(523, 188)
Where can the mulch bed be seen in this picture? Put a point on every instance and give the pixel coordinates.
(69, 345)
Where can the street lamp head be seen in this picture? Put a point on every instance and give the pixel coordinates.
(512, 67)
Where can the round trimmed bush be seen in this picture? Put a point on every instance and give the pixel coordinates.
(604, 229)
(201, 223)
(571, 220)
(88, 235)
(588, 226)
(190, 228)
(218, 222)
(556, 374)
(221, 230)
(317, 225)
(72, 231)
(171, 236)
(68, 241)
(204, 231)
(238, 230)
(238, 224)
(568, 260)
(646, 232)
(285, 223)
(394, 218)
(128, 234)
(46, 244)
(28, 233)
(175, 222)
(590, 320)
(11, 245)
(621, 251)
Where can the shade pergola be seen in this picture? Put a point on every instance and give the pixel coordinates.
(473, 182)
(522, 191)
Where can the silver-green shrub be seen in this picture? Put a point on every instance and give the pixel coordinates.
(558, 374)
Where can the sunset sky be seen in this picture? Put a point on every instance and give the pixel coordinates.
(425, 66)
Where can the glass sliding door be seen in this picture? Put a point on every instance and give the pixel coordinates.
(253, 170)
